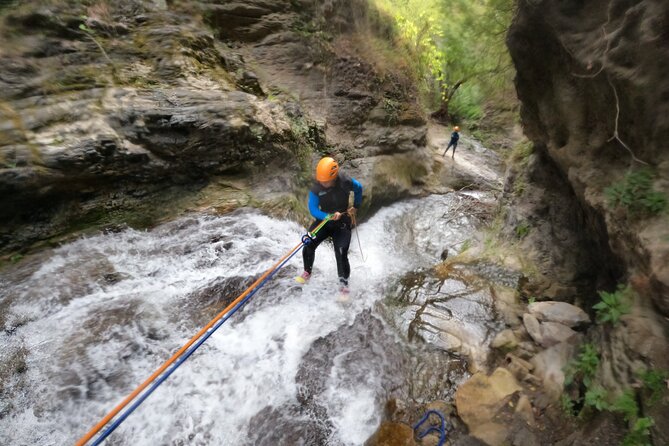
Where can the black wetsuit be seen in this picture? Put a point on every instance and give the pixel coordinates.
(322, 202)
(455, 137)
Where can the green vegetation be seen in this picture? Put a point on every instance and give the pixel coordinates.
(521, 153)
(639, 433)
(567, 404)
(7, 4)
(581, 372)
(522, 229)
(626, 405)
(635, 194)
(596, 397)
(458, 49)
(655, 382)
(519, 157)
(465, 246)
(584, 366)
(614, 305)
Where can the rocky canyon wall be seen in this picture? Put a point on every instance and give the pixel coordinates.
(591, 76)
(115, 112)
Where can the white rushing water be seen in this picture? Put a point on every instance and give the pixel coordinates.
(97, 316)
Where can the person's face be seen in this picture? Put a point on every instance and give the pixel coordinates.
(327, 184)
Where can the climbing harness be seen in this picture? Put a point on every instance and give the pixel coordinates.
(170, 366)
(441, 429)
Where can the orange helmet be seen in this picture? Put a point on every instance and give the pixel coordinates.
(456, 128)
(327, 169)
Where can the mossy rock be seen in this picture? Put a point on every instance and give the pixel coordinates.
(395, 177)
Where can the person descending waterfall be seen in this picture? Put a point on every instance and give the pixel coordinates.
(455, 137)
(329, 195)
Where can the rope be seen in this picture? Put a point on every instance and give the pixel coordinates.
(357, 235)
(186, 351)
(441, 429)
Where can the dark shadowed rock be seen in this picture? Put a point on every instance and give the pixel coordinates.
(596, 109)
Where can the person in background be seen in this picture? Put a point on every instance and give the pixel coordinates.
(455, 137)
(329, 196)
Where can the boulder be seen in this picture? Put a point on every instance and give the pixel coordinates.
(549, 367)
(505, 340)
(524, 410)
(479, 400)
(392, 434)
(533, 327)
(546, 334)
(560, 312)
(553, 333)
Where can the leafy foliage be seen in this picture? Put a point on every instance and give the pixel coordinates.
(639, 434)
(567, 404)
(614, 305)
(467, 103)
(655, 381)
(458, 46)
(626, 404)
(584, 366)
(635, 194)
(596, 397)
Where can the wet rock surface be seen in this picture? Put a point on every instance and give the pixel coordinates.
(453, 314)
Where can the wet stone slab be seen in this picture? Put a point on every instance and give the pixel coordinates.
(456, 314)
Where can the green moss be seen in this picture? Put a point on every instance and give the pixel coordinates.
(522, 229)
(520, 154)
(287, 207)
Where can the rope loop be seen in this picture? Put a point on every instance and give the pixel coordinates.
(441, 429)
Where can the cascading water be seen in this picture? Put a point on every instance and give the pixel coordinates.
(84, 324)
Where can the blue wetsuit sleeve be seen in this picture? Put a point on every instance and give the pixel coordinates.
(313, 207)
(357, 193)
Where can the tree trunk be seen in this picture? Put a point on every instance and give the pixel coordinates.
(442, 114)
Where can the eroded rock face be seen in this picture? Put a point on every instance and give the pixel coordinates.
(596, 108)
(96, 121)
(140, 105)
(372, 120)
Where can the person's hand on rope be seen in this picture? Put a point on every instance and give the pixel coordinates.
(336, 216)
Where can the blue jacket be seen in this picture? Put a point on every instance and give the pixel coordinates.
(324, 201)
